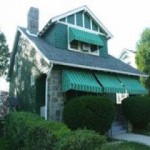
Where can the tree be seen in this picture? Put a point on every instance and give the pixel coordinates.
(4, 54)
(143, 56)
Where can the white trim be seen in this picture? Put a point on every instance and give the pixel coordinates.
(91, 23)
(82, 28)
(46, 59)
(83, 20)
(80, 51)
(32, 34)
(47, 90)
(96, 68)
(75, 19)
(32, 80)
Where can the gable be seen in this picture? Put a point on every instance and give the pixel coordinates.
(81, 17)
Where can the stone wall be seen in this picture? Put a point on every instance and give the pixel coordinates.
(3, 104)
(56, 97)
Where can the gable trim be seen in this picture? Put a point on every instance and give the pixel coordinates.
(83, 8)
(46, 59)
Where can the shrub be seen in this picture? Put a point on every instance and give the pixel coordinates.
(92, 112)
(137, 111)
(28, 130)
(17, 129)
(81, 140)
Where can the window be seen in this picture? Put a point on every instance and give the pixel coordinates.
(32, 80)
(74, 44)
(94, 48)
(22, 85)
(84, 47)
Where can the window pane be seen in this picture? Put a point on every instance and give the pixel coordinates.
(94, 48)
(74, 44)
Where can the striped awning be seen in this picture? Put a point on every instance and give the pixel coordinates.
(132, 85)
(80, 80)
(87, 37)
(110, 83)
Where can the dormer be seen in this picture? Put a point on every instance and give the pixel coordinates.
(77, 30)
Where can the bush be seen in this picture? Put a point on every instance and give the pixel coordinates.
(17, 128)
(28, 130)
(137, 111)
(81, 140)
(92, 112)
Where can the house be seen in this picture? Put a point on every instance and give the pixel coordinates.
(67, 58)
(128, 56)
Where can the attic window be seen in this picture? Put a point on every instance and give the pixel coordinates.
(84, 41)
(84, 47)
(74, 44)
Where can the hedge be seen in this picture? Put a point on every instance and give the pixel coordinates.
(28, 130)
(81, 140)
(93, 112)
(137, 110)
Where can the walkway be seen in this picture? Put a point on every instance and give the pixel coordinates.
(143, 139)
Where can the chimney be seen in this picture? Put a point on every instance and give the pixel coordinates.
(33, 20)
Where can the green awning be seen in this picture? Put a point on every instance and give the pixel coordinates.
(81, 81)
(91, 38)
(110, 83)
(132, 85)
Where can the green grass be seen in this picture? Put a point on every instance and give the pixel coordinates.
(2, 144)
(125, 146)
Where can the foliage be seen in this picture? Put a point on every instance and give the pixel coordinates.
(92, 112)
(125, 146)
(28, 130)
(4, 54)
(2, 144)
(81, 140)
(143, 55)
(137, 111)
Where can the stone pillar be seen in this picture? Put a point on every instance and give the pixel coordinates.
(56, 97)
(33, 20)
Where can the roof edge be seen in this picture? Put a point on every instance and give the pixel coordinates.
(97, 68)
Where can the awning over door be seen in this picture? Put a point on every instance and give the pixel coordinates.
(91, 38)
(110, 83)
(132, 85)
(81, 81)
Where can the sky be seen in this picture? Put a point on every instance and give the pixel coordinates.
(125, 19)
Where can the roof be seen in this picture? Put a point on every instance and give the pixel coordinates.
(126, 51)
(83, 8)
(79, 60)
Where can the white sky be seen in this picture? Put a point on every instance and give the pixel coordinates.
(125, 19)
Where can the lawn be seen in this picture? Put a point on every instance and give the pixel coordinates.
(125, 146)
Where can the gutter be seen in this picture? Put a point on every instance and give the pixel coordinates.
(46, 92)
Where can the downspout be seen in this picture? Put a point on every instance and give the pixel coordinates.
(47, 90)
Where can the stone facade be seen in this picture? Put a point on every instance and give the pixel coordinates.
(3, 104)
(56, 97)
